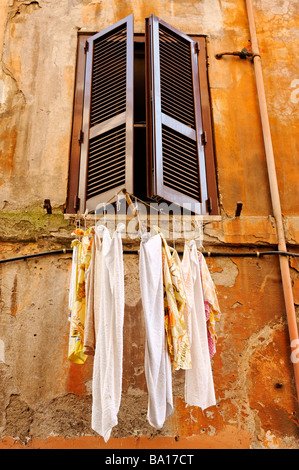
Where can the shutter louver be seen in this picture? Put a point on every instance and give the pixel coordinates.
(175, 62)
(176, 156)
(180, 166)
(107, 162)
(107, 149)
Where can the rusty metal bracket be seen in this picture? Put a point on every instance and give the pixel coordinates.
(243, 54)
(47, 206)
(239, 209)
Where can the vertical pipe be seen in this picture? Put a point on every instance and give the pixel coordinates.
(283, 260)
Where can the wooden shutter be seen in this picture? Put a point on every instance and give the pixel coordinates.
(106, 163)
(176, 161)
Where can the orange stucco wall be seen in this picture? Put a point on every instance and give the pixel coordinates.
(45, 401)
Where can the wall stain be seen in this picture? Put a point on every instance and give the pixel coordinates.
(8, 144)
(14, 302)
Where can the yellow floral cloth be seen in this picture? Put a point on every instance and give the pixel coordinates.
(211, 303)
(175, 308)
(77, 307)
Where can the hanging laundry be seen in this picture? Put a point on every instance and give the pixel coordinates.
(92, 278)
(199, 384)
(175, 308)
(157, 360)
(73, 279)
(109, 314)
(211, 303)
(77, 309)
(187, 278)
(180, 310)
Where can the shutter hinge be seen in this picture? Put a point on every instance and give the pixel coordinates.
(76, 203)
(204, 138)
(86, 47)
(196, 48)
(209, 205)
(80, 137)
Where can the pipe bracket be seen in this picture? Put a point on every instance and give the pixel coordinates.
(243, 54)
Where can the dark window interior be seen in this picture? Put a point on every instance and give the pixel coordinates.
(139, 121)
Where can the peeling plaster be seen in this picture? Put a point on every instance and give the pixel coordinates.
(237, 305)
(228, 275)
(238, 394)
(12, 96)
(23, 7)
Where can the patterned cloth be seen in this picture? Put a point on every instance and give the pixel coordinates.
(212, 309)
(83, 246)
(175, 308)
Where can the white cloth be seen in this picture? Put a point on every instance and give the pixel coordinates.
(107, 368)
(157, 361)
(199, 383)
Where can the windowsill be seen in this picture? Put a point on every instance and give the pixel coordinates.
(217, 229)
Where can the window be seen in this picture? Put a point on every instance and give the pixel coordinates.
(142, 119)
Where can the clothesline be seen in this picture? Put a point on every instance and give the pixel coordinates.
(254, 254)
(135, 212)
(127, 195)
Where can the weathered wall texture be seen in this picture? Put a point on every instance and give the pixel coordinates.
(45, 401)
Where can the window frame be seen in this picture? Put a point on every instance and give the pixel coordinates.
(72, 203)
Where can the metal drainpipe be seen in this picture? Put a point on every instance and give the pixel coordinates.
(283, 260)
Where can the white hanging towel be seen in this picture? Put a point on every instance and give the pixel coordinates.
(199, 383)
(157, 361)
(107, 368)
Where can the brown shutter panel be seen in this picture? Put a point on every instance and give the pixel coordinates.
(176, 161)
(106, 163)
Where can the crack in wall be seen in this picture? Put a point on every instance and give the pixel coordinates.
(16, 8)
(9, 74)
(15, 90)
(20, 7)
